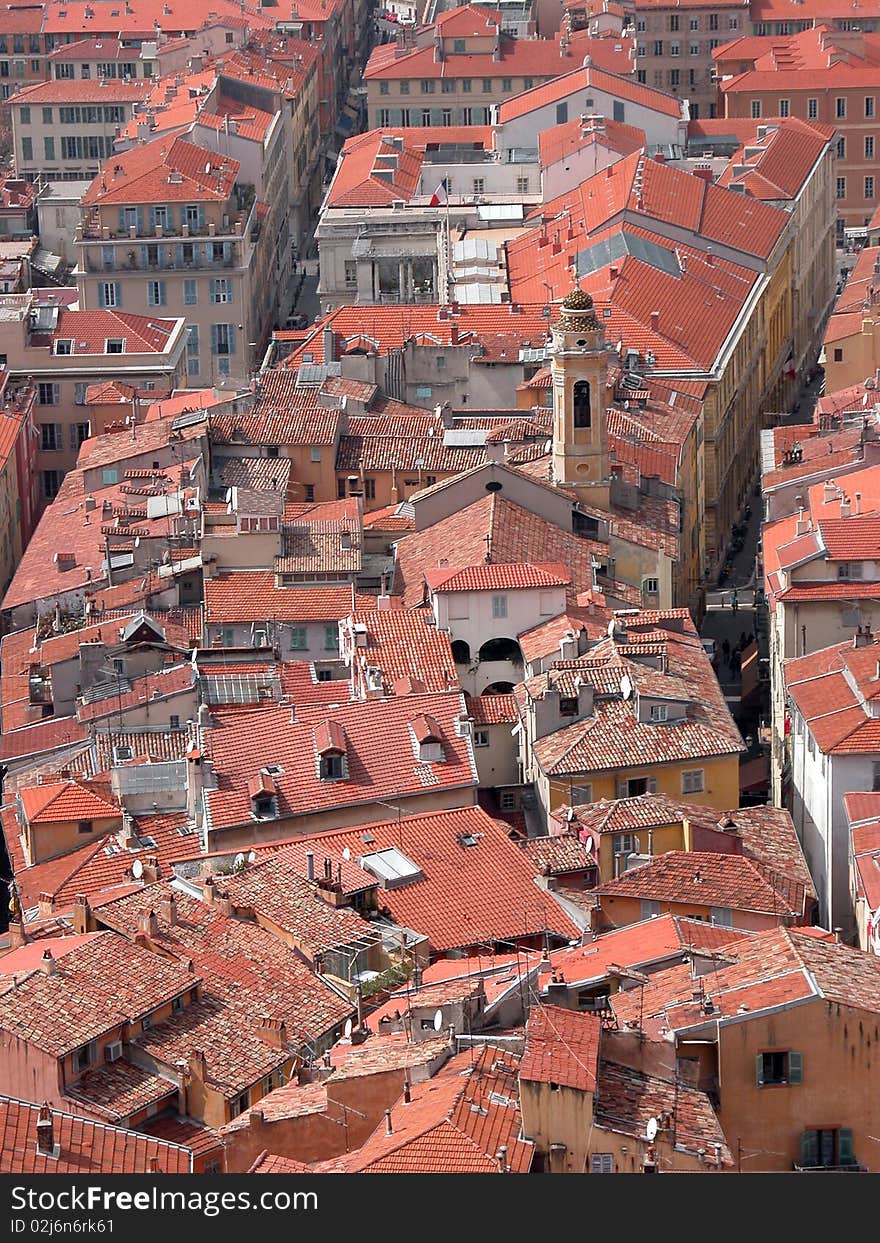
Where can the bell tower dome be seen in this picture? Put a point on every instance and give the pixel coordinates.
(578, 367)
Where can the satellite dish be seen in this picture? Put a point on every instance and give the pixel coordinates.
(252, 857)
(239, 861)
(346, 854)
(438, 1020)
(626, 686)
(651, 1130)
(137, 869)
(347, 1028)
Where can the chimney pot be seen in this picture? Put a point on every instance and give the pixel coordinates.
(45, 1131)
(389, 1130)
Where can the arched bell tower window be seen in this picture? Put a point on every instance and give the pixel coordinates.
(581, 400)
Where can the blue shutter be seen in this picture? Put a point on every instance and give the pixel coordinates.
(229, 294)
(122, 227)
(140, 220)
(845, 1154)
(162, 294)
(117, 290)
(178, 254)
(152, 218)
(212, 296)
(231, 338)
(144, 263)
(101, 299)
(213, 338)
(201, 217)
(795, 1068)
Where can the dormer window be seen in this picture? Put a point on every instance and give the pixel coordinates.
(659, 712)
(331, 749)
(263, 794)
(333, 766)
(849, 569)
(114, 345)
(428, 740)
(568, 706)
(64, 347)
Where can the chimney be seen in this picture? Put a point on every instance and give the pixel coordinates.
(389, 1129)
(310, 864)
(81, 914)
(45, 905)
(153, 1166)
(148, 924)
(802, 525)
(655, 321)
(47, 963)
(407, 1092)
(46, 1132)
(272, 1031)
(844, 507)
(198, 1065)
(857, 507)
(168, 908)
(501, 1158)
(863, 637)
(209, 890)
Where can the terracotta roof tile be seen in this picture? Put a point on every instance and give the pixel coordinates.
(562, 1047)
(118, 1090)
(380, 756)
(251, 596)
(626, 1099)
(706, 879)
(86, 1147)
(92, 990)
(468, 894)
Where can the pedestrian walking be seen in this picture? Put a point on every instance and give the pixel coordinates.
(735, 664)
(725, 649)
(734, 600)
(743, 641)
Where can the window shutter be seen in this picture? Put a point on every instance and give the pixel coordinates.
(178, 254)
(201, 217)
(56, 394)
(102, 301)
(231, 338)
(122, 227)
(140, 220)
(759, 1069)
(117, 295)
(229, 297)
(213, 338)
(162, 294)
(809, 1148)
(621, 789)
(795, 1068)
(213, 293)
(652, 785)
(152, 217)
(845, 1155)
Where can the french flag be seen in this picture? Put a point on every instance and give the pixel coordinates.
(440, 195)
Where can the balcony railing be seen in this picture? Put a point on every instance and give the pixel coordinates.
(852, 1167)
(128, 264)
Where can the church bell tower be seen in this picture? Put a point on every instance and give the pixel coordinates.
(579, 371)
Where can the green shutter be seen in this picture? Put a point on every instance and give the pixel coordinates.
(845, 1154)
(759, 1069)
(809, 1148)
(795, 1068)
